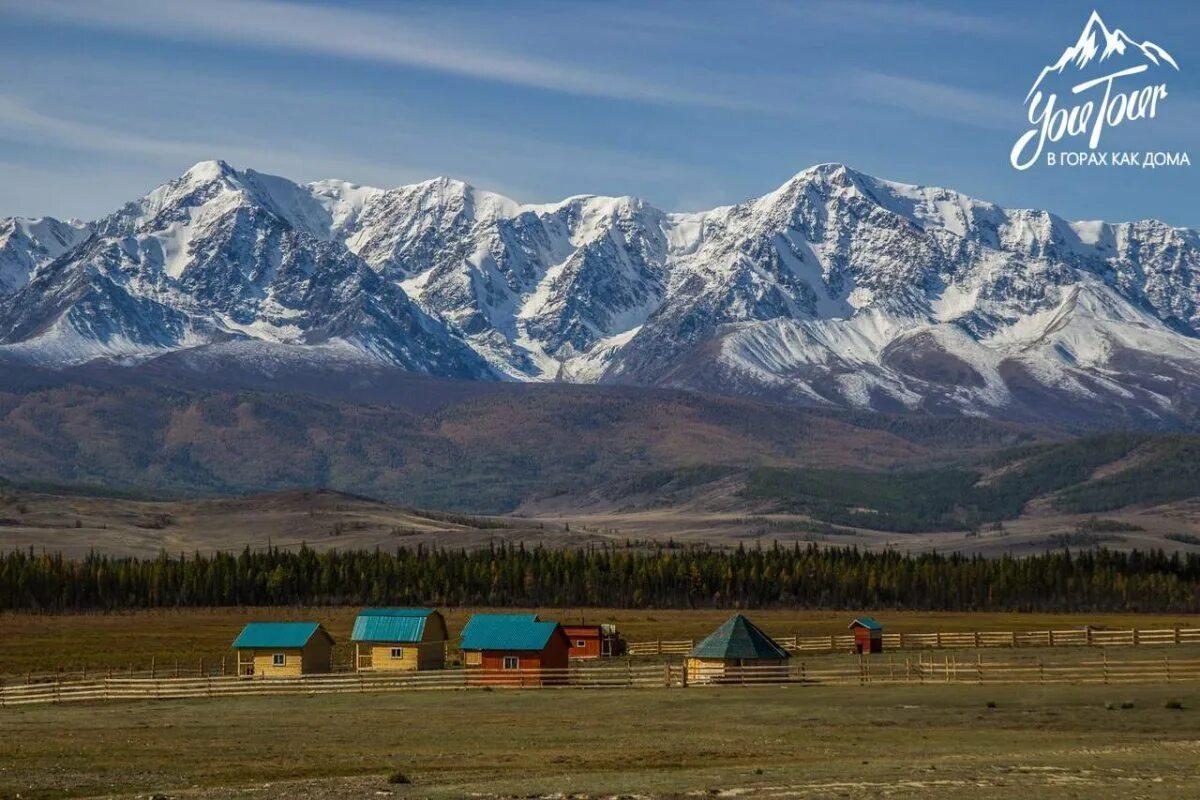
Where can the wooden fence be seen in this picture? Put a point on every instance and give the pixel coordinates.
(1074, 637)
(843, 643)
(863, 671)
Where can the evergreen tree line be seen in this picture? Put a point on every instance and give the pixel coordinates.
(630, 577)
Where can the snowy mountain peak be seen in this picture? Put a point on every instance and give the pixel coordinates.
(836, 289)
(207, 171)
(27, 244)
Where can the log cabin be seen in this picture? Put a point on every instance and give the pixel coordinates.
(283, 649)
(399, 639)
(514, 650)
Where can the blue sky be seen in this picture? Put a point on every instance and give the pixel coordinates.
(690, 104)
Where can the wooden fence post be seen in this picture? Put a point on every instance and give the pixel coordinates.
(1013, 638)
(1167, 667)
(976, 640)
(1136, 638)
(979, 668)
(938, 637)
(658, 646)
(151, 667)
(1050, 636)
(1105, 665)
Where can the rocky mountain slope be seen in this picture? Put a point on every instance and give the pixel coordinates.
(837, 289)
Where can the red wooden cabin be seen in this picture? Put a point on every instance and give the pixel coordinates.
(585, 640)
(594, 641)
(868, 635)
(514, 650)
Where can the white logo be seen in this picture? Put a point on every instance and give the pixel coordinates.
(1109, 95)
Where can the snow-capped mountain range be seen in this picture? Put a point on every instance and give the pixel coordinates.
(836, 289)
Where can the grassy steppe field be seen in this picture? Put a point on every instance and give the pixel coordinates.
(807, 742)
(44, 642)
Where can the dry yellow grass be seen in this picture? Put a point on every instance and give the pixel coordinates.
(795, 742)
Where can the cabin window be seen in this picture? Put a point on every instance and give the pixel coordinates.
(397, 652)
(278, 660)
(512, 662)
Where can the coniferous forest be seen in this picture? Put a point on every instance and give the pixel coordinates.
(631, 576)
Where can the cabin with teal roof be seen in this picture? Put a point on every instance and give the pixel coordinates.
(514, 650)
(868, 635)
(399, 639)
(283, 649)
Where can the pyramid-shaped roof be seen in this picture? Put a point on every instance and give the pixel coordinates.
(740, 638)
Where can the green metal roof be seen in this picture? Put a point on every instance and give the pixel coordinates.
(506, 632)
(277, 634)
(390, 624)
(740, 638)
(866, 622)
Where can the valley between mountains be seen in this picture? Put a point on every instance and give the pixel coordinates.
(844, 360)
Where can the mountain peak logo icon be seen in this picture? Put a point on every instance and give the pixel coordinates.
(1099, 44)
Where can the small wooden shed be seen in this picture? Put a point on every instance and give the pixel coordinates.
(868, 635)
(283, 649)
(514, 650)
(737, 644)
(399, 639)
(594, 641)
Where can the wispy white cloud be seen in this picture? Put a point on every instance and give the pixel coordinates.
(938, 100)
(896, 16)
(19, 121)
(150, 160)
(361, 35)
